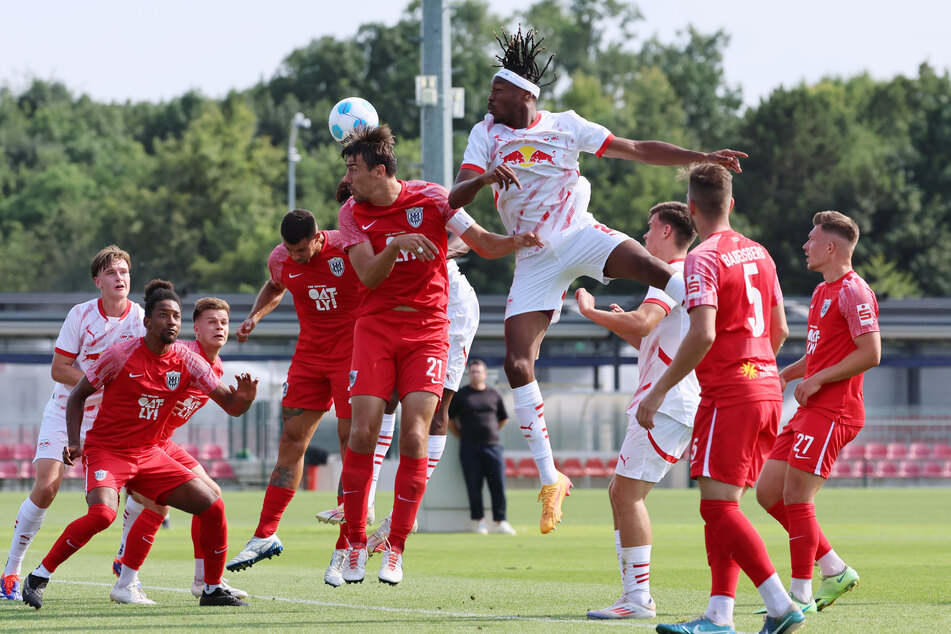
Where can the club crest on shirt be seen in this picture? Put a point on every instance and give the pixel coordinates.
(172, 379)
(414, 216)
(353, 379)
(825, 307)
(100, 475)
(284, 390)
(336, 266)
(126, 336)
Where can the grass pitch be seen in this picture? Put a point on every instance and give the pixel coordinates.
(899, 540)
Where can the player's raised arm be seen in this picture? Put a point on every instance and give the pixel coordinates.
(631, 326)
(663, 153)
(267, 300)
(236, 400)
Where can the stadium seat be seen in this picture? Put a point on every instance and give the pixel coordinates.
(896, 451)
(946, 469)
(557, 462)
(611, 466)
(511, 469)
(875, 451)
(27, 470)
(932, 469)
(527, 468)
(6, 452)
(572, 468)
(222, 470)
(191, 448)
(852, 451)
(919, 451)
(861, 468)
(885, 469)
(841, 469)
(9, 471)
(909, 469)
(595, 468)
(23, 451)
(211, 451)
(75, 472)
(941, 451)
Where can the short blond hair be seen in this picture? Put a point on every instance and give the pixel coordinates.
(209, 303)
(838, 224)
(106, 257)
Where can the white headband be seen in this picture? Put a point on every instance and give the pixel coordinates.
(519, 81)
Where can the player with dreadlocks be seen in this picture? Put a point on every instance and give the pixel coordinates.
(530, 159)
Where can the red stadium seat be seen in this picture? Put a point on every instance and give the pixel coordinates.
(27, 470)
(852, 451)
(611, 466)
(875, 451)
(191, 448)
(941, 451)
(75, 472)
(557, 462)
(946, 470)
(861, 468)
(896, 451)
(212, 451)
(23, 451)
(932, 469)
(222, 470)
(885, 469)
(6, 452)
(527, 468)
(841, 469)
(919, 451)
(511, 469)
(595, 468)
(572, 468)
(909, 469)
(9, 471)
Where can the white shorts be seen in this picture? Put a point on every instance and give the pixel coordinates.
(52, 439)
(648, 456)
(463, 323)
(542, 276)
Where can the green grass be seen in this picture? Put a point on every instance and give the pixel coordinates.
(898, 539)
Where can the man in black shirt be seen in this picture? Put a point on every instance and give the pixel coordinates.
(476, 416)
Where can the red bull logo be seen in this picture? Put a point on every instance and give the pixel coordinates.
(527, 156)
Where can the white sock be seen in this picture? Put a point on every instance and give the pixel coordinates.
(209, 588)
(775, 596)
(676, 289)
(636, 573)
(28, 522)
(132, 511)
(199, 570)
(41, 571)
(436, 446)
(617, 548)
(720, 609)
(128, 577)
(530, 412)
(831, 564)
(383, 443)
(801, 589)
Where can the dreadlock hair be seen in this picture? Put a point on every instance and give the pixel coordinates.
(158, 290)
(519, 53)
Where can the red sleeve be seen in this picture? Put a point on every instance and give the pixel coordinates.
(275, 264)
(350, 232)
(110, 362)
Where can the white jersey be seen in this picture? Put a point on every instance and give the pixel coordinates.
(459, 288)
(658, 349)
(85, 334)
(553, 196)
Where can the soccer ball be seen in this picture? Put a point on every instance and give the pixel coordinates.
(348, 115)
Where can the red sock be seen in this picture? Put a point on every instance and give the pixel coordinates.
(140, 539)
(780, 512)
(276, 500)
(409, 488)
(724, 572)
(737, 536)
(355, 480)
(78, 533)
(803, 539)
(214, 541)
(342, 541)
(196, 537)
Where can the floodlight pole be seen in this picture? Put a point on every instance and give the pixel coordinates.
(435, 119)
(293, 158)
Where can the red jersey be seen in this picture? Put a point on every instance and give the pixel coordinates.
(422, 208)
(326, 294)
(140, 389)
(194, 399)
(736, 276)
(839, 312)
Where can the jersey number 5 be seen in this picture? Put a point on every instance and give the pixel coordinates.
(757, 323)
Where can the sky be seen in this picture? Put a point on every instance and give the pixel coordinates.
(119, 50)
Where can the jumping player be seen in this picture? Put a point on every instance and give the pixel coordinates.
(529, 157)
(656, 329)
(211, 325)
(395, 235)
(843, 342)
(737, 325)
(326, 295)
(89, 329)
(142, 381)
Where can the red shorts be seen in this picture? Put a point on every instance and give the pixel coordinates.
(318, 387)
(151, 472)
(179, 455)
(811, 441)
(730, 443)
(399, 349)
